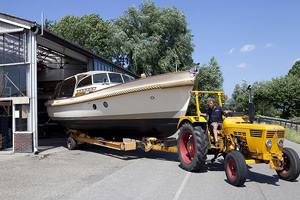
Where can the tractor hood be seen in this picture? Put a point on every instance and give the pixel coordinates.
(239, 122)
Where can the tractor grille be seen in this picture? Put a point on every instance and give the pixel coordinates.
(275, 134)
(239, 134)
(256, 133)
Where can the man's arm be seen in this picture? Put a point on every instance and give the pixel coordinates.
(223, 112)
(203, 114)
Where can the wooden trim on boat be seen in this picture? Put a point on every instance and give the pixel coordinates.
(128, 91)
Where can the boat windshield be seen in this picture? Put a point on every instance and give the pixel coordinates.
(67, 88)
(100, 78)
(85, 81)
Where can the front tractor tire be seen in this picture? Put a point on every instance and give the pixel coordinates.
(192, 147)
(291, 165)
(235, 168)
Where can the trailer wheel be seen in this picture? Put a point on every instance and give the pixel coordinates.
(71, 144)
(235, 168)
(291, 165)
(192, 147)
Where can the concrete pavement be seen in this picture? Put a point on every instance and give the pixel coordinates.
(100, 173)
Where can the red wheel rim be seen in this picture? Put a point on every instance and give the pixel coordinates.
(231, 167)
(69, 143)
(187, 146)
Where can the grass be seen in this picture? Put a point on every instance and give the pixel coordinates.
(292, 135)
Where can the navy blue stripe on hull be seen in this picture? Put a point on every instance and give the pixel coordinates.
(132, 128)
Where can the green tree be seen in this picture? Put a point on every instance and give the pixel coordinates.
(89, 31)
(262, 99)
(279, 97)
(239, 99)
(295, 70)
(210, 78)
(285, 94)
(260, 96)
(151, 40)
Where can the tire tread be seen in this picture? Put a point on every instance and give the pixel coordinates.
(201, 144)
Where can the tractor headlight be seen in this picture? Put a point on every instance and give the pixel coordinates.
(269, 143)
(280, 143)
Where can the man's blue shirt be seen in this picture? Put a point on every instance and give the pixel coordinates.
(216, 114)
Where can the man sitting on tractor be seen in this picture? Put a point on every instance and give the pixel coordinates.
(215, 117)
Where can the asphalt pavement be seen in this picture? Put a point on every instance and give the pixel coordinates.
(101, 173)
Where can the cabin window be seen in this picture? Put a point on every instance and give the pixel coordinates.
(85, 82)
(115, 78)
(100, 78)
(127, 78)
(67, 88)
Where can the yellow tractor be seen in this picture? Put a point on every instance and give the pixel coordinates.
(241, 142)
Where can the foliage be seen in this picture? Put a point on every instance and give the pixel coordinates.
(281, 94)
(89, 31)
(295, 70)
(284, 94)
(151, 40)
(210, 78)
(239, 99)
(262, 99)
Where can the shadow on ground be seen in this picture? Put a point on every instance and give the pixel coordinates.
(129, 155)
(51, 143)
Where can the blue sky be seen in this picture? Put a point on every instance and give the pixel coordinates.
(253, 40)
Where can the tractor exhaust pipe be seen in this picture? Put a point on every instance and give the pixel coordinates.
(251, 105)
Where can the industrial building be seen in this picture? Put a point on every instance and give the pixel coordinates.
(32, 61)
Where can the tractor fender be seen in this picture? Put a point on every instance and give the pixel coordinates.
(191, 119)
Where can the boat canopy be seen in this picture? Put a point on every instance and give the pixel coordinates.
(88, 82)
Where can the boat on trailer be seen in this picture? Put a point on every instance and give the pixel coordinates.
(113, 105)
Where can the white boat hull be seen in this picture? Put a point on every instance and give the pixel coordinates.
(136, 109)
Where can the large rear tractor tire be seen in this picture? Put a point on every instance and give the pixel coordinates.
(192, 147)
(235, 168)
(291, 165)
(71, 144)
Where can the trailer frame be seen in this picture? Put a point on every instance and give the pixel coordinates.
(146, 143)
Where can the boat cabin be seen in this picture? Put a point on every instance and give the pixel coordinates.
(84, 83)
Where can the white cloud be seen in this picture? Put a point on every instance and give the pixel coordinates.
(247, 48)
(231, 50)
(269, 45)
(241, 65)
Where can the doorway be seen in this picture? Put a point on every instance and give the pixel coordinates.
(6, 139)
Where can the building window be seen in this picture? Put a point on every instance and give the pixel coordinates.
(13, 80)
(12, 48)
(13, 67)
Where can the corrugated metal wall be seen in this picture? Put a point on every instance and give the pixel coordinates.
(102, 66)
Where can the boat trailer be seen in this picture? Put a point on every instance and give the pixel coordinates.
(77, 139)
